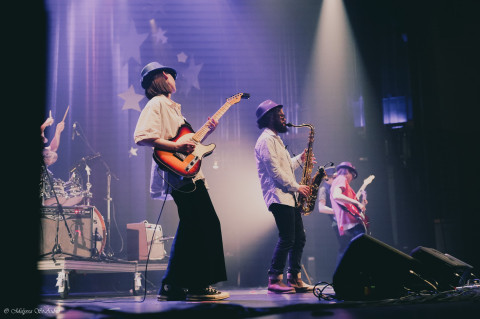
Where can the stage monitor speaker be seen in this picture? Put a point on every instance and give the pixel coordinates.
(139, 238)
(79, 222)
(443, 270)
(373, 270)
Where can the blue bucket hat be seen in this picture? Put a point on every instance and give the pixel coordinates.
(153, 68)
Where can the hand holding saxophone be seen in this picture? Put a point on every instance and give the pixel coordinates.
(303, 157)
(304, 190)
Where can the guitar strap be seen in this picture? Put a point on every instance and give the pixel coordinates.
(348, 211)
(186, 122)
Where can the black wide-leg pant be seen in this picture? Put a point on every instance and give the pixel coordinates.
(196, 257)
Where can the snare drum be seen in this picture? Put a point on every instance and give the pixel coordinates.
(74, 192)
(49, 193)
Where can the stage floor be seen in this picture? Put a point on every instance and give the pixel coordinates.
(253, 303)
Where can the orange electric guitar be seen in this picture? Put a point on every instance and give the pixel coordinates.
(188, 165)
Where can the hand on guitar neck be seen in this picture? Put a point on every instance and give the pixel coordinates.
(188, 146)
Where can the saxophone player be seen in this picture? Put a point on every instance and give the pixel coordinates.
(275, 169)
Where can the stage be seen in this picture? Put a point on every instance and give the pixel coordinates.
(256, 302)
(386, 283)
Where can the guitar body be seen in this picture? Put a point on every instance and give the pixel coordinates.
(189, 165)
(179, 163)
(355, 212)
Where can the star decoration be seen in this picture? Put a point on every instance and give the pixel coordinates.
(160, 36)
(132, 152)
(191, 76)
(182, 57)
(131, 99)
(130, 44)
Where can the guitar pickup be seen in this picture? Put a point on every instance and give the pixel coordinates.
(192, 163)
(180, 156)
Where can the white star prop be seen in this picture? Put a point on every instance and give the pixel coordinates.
(132, 152)
(130, 44)
(182, 57)
(160, 36)
(131, 99)
(191, 75)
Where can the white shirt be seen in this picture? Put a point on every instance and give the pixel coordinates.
(161, 118)
(275, 169)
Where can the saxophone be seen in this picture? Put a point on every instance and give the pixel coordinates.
(306, 204)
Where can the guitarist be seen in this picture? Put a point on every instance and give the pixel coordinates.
(196, 258)
(347, 209)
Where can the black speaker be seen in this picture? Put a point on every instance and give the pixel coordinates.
(443, 270)
(88, 234)
(373, 270)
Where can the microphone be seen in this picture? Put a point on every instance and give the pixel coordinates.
(74, 130)
(289, 124)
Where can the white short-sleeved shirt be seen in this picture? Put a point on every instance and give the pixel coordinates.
(161, 118)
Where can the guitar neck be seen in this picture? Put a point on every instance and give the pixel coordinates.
(366, 182)
(202, 132)
(360, 191)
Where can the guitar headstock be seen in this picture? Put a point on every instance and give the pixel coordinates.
(237, 97)
(368, 180)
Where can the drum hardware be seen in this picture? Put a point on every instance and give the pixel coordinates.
(79, 132)
(87, 226)
(57, 248)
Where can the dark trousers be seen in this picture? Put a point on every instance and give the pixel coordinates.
(291, 240)
(346, 238)
(196, 256)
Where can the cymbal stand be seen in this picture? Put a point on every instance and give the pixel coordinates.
(88, 193)
(109, 199)
(108, 252)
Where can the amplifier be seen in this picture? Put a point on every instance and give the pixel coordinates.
(139, 238)
(86, 227)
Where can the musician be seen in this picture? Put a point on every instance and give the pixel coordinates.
(346, 206)
(49, 152)
(275, 170)
(324, 202)
(196, 258)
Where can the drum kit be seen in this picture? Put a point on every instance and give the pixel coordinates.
(69, 193)
(61, 196)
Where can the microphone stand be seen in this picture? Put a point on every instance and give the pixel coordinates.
(109, 199)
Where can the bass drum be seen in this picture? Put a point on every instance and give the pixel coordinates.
(99, 231)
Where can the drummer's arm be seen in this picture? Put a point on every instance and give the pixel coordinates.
(56, 139)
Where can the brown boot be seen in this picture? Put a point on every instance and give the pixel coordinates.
(297, 283)
(276, 285)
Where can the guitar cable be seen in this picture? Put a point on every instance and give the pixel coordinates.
(159, 172)
(151, 244)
